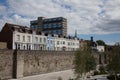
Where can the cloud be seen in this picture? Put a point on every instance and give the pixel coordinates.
(15, 19)
(110, 26)
(2, 10)
(87, 16)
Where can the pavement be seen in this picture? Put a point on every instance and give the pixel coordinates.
(64, 75)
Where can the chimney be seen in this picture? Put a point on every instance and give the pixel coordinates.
(91, 38)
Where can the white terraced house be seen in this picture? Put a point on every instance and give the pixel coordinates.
(24, 38)
(26, 41)
(66, 44)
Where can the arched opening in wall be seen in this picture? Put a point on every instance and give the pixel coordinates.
(64, 48)
(40, 48)
(24, 47)
(18, 46)
(29, 47)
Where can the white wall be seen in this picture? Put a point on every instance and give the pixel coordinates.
(32, 43)
(100, 48)
(36, 44)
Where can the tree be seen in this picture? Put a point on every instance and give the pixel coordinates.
(90, 62)
(114, 61)
(100, 42)
(83, 62)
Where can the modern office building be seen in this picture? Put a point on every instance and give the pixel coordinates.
(56, 25)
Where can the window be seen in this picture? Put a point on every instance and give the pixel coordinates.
(57, 42)
(44, 40)
(23, 38)
(59, 32)
(73, 43)
(50, 32)
(40, 39)
(18, 37)
(54, 31)
(51, 41)
(63, 42)
(36, 39)
(48, 41)
(29, 39)
(68, 43)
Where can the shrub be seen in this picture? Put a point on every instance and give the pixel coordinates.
(96, 73)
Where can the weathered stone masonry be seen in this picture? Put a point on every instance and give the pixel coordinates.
(16, 64)
(6, 64)
(44, 62)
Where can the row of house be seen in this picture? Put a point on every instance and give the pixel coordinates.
(24, 38)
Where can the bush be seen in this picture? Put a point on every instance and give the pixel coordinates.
(112, 77)
(102, 70)
(96, 73)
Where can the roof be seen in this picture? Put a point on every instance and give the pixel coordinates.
(19, 28)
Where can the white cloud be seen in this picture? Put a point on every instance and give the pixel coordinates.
(84, 15)
(2, 10)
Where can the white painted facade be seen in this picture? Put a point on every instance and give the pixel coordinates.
(65, 44)
(27, 41)
(33, 41)
(60, 44)
(73, 44)
(100, 48)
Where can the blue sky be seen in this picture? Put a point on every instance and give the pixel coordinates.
(108, 38)
(97, 18)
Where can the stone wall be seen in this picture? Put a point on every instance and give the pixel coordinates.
(37, 62)
(17, 64)
(6, 64)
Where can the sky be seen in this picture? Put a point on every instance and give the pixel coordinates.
(97, 18)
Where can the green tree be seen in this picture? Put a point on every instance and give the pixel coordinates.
(90, 62)
(100, 42)
(83, 62)
(114, 61)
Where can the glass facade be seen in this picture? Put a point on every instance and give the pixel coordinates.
(53, 20)
(34, 27)
(51, 25)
